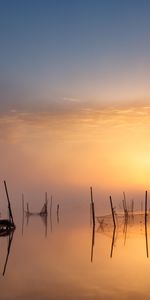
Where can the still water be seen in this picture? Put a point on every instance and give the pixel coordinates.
(62, 259)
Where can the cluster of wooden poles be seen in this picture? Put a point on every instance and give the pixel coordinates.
(113, 213)
(126, 212)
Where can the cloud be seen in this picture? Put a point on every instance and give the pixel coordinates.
(70, 99)
(17, 125)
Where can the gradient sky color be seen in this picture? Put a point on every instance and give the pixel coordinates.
(74, 97)
(62, 53)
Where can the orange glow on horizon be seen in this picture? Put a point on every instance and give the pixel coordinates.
(107, 147)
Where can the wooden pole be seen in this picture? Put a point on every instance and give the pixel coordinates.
(23, 204)
(112, 210)
(51, 212)
(51, 205)
(9, 206)
(27, 208)
(90, 214)
(146, 207)
(92, 206)
(46, 201)
(57, 213)
(22, 213)
(146, 236)
(125, 204)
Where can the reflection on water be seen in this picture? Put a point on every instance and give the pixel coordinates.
(10, 238)
(113, 240)
(146, 237)
(42, 217)
(131, 225)
(93, 240)
(76, 261)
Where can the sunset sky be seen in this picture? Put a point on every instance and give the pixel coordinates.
(75, 94)
(87, 52)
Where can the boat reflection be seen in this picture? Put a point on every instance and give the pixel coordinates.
(10, 235)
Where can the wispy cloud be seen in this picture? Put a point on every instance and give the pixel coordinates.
(70, 99)
(23, 124)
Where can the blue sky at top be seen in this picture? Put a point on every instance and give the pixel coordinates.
(88, 51)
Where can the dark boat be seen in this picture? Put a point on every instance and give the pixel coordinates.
(7, 225)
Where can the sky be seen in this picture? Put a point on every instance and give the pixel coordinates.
(62, 54)
(74, 96)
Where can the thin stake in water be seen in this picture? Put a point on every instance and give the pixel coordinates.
(112, 210)
(92, 206)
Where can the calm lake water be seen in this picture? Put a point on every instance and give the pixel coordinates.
(63, 260)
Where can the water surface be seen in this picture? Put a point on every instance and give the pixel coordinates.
(67, 262)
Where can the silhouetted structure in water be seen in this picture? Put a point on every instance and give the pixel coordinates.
(43, 211)
(43, 214)
(51, 213)
(57, 213)
(92, 210)
(146, 236)
(92, 221)
(7, 225)
(43, 217)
